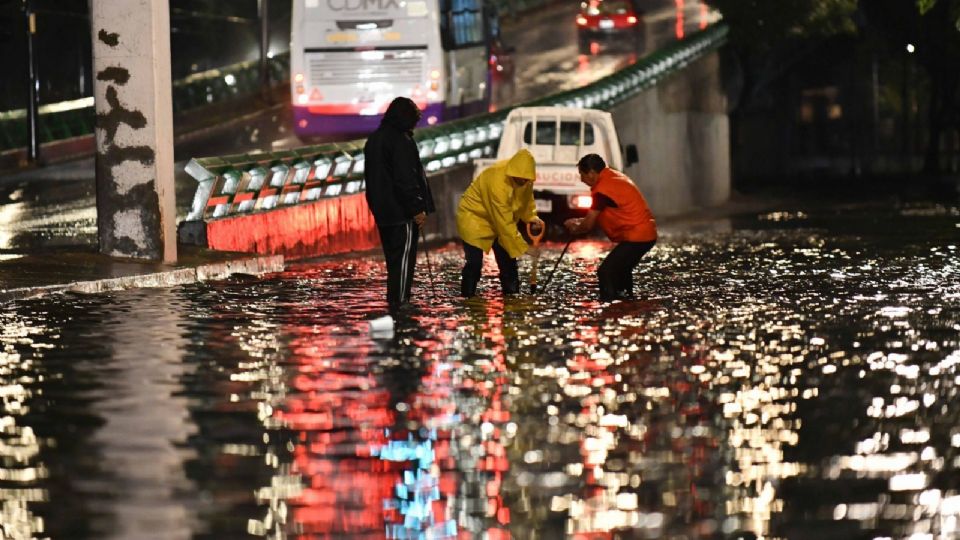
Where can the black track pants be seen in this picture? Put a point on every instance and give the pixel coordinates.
(473, 269)
(616, 271)
(400, 251)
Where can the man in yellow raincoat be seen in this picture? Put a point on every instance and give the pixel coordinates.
(490, 208)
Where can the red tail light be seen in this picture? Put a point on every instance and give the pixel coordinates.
(581, 20)
(631, 20)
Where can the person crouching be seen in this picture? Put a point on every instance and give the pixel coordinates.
(623, 215)
(487, 217)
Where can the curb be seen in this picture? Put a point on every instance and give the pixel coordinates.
(180, 276)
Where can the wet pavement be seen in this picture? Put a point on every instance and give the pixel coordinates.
(791, 374)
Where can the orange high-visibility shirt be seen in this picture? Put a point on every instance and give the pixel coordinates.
(630, 220)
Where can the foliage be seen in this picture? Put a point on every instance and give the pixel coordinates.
(762, 25)
(768, 37)
(931, 27)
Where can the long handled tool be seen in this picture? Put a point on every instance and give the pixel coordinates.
(536, 255)
(426, 252)
(560, 258)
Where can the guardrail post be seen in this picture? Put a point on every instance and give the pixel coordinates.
(136, 212)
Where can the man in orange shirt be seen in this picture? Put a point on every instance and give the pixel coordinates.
(622, 212)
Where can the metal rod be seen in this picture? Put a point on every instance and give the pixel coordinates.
(535, 238)
(426, 253)
(264, 49)
(560, 258)
(33, 113)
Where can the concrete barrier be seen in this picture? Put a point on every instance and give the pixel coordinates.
(681, 130)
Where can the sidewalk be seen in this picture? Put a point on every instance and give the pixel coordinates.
(26, 276)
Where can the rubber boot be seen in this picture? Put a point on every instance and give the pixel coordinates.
(468, 284)
(510, 285)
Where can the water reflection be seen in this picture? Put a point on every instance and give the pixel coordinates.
(787, 375)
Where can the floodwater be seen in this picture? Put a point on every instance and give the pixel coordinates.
(792, 374)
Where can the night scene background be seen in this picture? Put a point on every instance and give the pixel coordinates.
(835, 86)
(789, 368)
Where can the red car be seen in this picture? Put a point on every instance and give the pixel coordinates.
(616, 20)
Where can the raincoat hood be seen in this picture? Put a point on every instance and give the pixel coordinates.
(402, 114)
(522, 165)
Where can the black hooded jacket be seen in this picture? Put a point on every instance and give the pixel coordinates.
(397, 186)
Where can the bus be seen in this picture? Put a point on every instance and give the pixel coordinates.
(350, 58)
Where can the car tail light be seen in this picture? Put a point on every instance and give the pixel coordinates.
(631, 20)
(581, 20)
(582, 201)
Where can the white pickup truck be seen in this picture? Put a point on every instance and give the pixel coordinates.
(558, 137)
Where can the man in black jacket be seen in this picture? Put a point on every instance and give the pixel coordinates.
(398, 194)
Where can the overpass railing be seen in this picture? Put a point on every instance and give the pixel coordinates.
(229, 186)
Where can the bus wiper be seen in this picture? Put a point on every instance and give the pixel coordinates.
(364, 25)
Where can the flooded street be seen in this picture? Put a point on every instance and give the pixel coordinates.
(792, 374)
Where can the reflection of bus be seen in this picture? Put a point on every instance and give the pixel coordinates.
(350, 58)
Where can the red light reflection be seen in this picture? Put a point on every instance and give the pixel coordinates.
(680, 9)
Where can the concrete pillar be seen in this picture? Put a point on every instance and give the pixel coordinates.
(136, 208)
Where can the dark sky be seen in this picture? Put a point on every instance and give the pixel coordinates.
(204, 34)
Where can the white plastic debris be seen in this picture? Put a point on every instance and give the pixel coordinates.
(382, 327)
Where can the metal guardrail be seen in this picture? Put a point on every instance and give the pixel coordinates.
(60, 121)
(240, 184)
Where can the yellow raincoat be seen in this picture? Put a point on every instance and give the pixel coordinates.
(493, 204)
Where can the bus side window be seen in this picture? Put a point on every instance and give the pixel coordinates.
(446, 40)
(461, 23)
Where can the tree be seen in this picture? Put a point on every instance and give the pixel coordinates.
(767, 37)
(933, 28)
